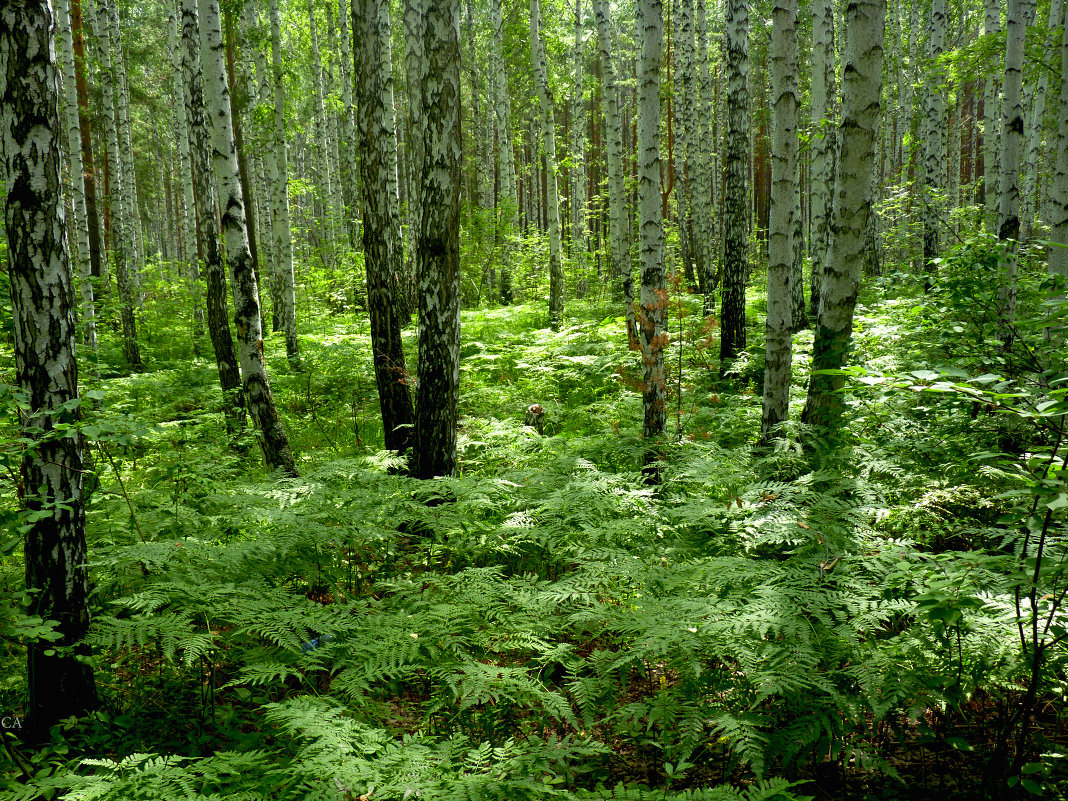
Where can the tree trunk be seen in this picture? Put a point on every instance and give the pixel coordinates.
(653, 295)
(861, 87)
(823, 144)
(934, 147)
(374, 117)
(347, 148)
(254, 381)
(508, 204)
(86, 139)
(705, 250)
(439, 245)
(991, 117)
(1034, 139)
(577, 147)
(279, 180)
(42, 308)
(735, 205)
(618, 258)
(1058, 219)
(778, 352)
(548, 138)
(206, 205)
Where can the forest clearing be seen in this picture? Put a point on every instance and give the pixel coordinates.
(497, 400)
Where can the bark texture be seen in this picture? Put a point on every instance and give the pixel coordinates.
(618, 259)
(934, 148)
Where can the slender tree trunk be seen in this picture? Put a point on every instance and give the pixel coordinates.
(778, 352)
(320, 146)
(509, 202)
(65, 41)
(934, 148)
(687, 139)
(86, 140)
(618, 258)
(439, 245)
(577, 148)
(735, 206)
(380, 234)
(414, 67)
(279, 180)
(254, 381)
(60, 681)
(121, 248)
(350, 169)
(991, 117)
(548, 137)
(653, 301)
(705, 250)
(1012, 130)
(861, 87)
(206, 205)
(1028, 194)
(1058, 218)
(823, 144)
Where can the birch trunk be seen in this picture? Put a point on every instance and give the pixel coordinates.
(652, 313)
(285, 281)
(509, 202)
(65, 40)
(687, 138)
(380, 233)
(439, 245)
(1012, 129)
(414, 25)
(86, 141)
(735, 196)
(618, 259)
(991, 117)
(60, 681)
(1058, 196)
(823, 144)
(778, 352)
(206, 205)
(577, 148)
(120, 212)
(861, 87)
(705, 250)
(548, 138)
(1034, 140)
(347, 148)
(255, 383)
(934, 148)
(320, 146)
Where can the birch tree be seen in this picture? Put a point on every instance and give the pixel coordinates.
(548, 140)
(205, 205)
(439, 245)
(735, 199)
(861, 87)
(823, 143)
(783, 209)
(577, 148)
(278, 177)
(255, 383)
(618, 259)
(1058, 255)
(1034, 138)
(375, 121)
(705, 249)
(991, 117)
(508, 203)
(653, 302)
(934, 149)
(60, 680)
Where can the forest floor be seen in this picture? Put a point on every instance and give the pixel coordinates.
(836, 615)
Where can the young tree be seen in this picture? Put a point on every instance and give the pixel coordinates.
(991, 26)
(783, 210)
(548, 138)
(653, 296)
(861, 87)
(42, 305)
(1058, 256)
(706, 245)
(934, 149)
(823, 144)
(374, 99)
(254, 380)
(735, 200)
(439, 245)
(618, 258)
(508, 202)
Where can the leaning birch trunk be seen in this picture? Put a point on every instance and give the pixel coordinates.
(439, 245)
(1028, 200)
(255, 383)
(120, 213)
(861, 87)
(380, 234)
(784, 100)
(548, 138)
(59, 677)
(577, 145)
(823, 143)
(285, 281)
(705, 250)
(186, 225)
(1058, 196)
(509, 200)
(735, 200)
(618, 260)
(934, 149)
(991, 117)
(206, 204)
(65, 40)
(1012, 128)
(652, 314)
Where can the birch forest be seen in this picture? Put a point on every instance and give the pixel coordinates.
(534, 399)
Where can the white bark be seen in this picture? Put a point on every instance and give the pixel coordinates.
(823, 141)
(347, 145)
(784, 98)
(735, 195)
(934, 148)
(618, 261)
(705, 248)
(1034, 139)
(1058, 218)
(509, 199)
(548, 139)
(577, 148)
(991, 118)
